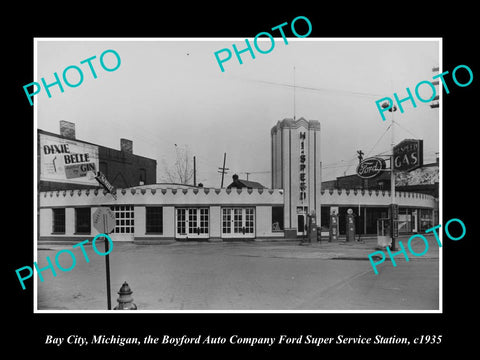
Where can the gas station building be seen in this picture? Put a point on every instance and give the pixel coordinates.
(296, 203)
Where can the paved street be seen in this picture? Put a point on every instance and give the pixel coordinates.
(243, 276)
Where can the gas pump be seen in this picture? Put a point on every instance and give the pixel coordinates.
(312, 227)
(333, 235)
(350, 231)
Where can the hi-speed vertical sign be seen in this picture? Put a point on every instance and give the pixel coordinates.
(408, 155)
(66, 160)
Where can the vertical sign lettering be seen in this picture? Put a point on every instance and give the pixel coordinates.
(303, 186)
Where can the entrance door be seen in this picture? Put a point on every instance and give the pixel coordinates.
(238, 222)
(192, 223)
(415, 221)
(301, 224)
(301, 219)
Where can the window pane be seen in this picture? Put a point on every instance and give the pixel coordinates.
(154, 220)
(82, 220)
(122, 213)
(58, 220)
(277, 218)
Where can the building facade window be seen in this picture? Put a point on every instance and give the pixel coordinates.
(277, 218)
(58, 226)
(82, 220)
(426, 219)
(124, 216)
(154, 220)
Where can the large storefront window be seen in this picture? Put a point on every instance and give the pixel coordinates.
(426, 219)
(405, 220)
(82, 220)
(277, 218)
(124, 219)
(58, 226)
(154, 220)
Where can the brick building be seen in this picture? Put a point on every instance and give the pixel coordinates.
(67, 163)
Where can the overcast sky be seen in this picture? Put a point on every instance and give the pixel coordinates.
(173, 92)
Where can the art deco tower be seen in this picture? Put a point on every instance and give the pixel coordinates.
(296, 168)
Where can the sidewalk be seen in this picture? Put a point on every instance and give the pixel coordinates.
(359, 250)
(280, 248)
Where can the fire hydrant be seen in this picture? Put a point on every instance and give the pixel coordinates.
(125, 300)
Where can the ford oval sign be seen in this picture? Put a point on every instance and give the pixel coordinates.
(370, 167)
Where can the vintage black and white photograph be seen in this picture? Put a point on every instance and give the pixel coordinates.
(272, 174)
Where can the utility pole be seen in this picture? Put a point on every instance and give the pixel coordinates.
(360, 159)
(360, 156)
(393, 209)
(223, 169)
(247, 174)
(435, 103)
(393, 206)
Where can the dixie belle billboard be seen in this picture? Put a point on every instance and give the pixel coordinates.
(66, 160)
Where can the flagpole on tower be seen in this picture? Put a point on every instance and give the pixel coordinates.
(294, 93)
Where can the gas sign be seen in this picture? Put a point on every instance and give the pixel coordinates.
(408, 155)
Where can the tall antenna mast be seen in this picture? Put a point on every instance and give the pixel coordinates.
(294, 93)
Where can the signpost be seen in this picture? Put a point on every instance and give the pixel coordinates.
(392, 181)
(104, 221)
(394, 228)
(407, 156)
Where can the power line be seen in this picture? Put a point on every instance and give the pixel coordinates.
(357, 93)
(388, 128)
(337, 167)
(415, 136)
(351, 162)
(254, 172)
